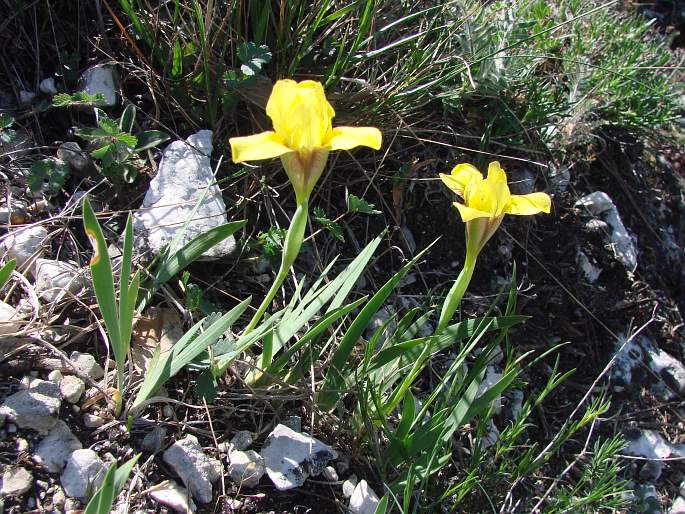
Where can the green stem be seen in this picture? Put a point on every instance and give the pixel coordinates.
(456, 293)
(120, 389)
(291, 249)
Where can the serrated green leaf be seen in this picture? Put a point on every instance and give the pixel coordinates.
(5, 120)
(356, 204)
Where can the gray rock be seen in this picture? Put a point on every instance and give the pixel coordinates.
(92, 421)
(329, 473)
(652, 446)
(55, 376)
(184, 175)
(47, 86)
(10, 319)
(293, 423)
(54, 450)
(25, 243)
(193, 466)
(666, 377)
(58, 498)
(522, 182)
(71, 153)
(172, 495)
(100, 79)
(26, 97)
(349, 486)
(588, 267)
(622, 243)
(83, 473)
(15, 481)
(153, 440)
(377, 321)
(35, 408)
(363, 499)
(246, 468)
(241, 441)
(87, 365)
(22, 445)
(56, 279)
(72, 388)
(291, 457)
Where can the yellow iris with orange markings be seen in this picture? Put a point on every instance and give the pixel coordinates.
(303, 134)
(487, 200)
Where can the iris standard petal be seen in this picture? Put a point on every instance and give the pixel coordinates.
(533, 203)
(460, 177)
(300, 113)
(469, 213)
(258, 146)
(346, 138)
(498, 189)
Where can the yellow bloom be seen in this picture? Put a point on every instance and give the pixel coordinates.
(487, 200)
(303, 134)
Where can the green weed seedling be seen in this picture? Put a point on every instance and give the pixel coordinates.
(116, 148)
(113, 483)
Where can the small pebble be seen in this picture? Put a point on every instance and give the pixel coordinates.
(167, 411)
(72, 388)
(22, 445)
(241, 441)
(12, 429)
(55, 376)
(330, 474)
(349, 486)
(92, 421)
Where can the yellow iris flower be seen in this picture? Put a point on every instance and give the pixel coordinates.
(303, 134)
(487, 200)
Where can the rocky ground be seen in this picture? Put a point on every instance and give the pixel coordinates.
(605, 272)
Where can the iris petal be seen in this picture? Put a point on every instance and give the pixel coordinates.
(346, 138)
(533, 203)
(258, 146)
(469, 213)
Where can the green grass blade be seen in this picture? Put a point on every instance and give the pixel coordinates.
(101, 502)
(6, 272)
(184, 351)
(103, 280)
(189, 253)
(334, 381)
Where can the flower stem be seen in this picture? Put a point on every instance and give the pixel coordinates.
(456, 293)
(291, 249)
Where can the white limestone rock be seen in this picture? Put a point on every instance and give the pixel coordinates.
(100, 79)
(599, 204)
(246, 468)
(25, 244)
(184, 175)
(193, 466)
(87, 365)
(172, 495)
(10, 319)
(57, 279)
(292, 457)
(35, 407)
(72, 388)
(54, 450)
(83, 473)
(15, 481)
(363, 500)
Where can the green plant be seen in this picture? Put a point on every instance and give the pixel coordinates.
(271, 242)
(116, 148)
(6, 272)
(47, 175)
(78, 99)
(113, 483)
(328, 224)
(117, 315)
(7, 134)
